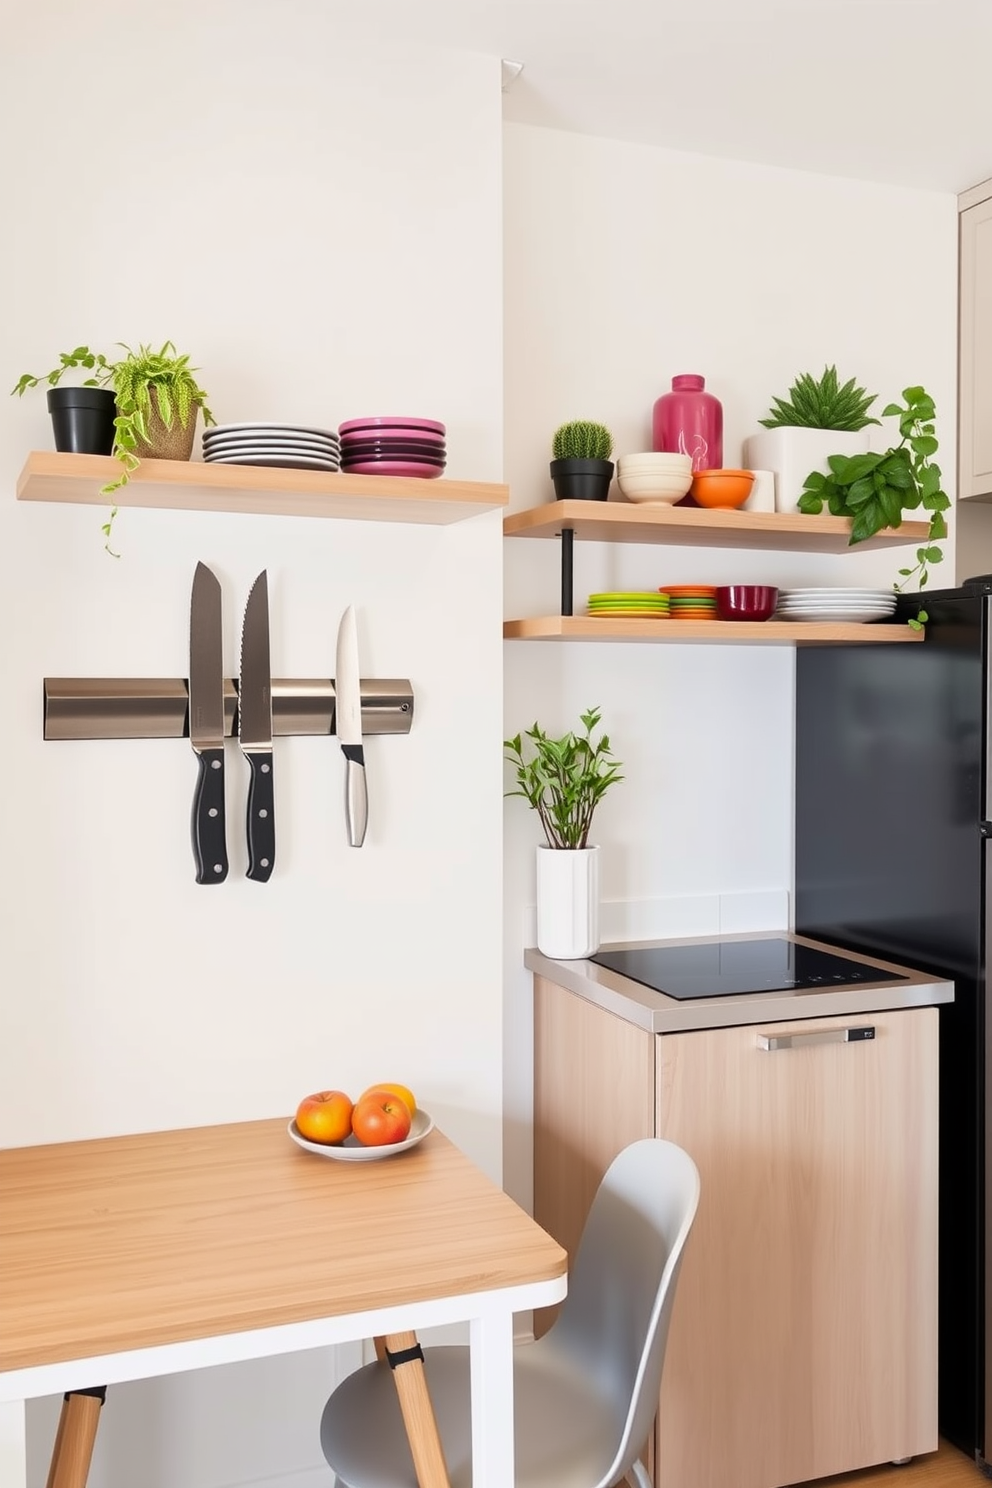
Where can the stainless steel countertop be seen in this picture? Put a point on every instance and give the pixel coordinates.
(660, 1014)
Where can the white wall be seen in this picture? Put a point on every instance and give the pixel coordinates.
(625, 265)
(318, 224)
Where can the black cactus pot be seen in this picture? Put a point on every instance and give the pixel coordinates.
(83, 419)
(581, 480)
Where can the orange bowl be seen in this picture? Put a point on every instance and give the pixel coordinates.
(727, 488)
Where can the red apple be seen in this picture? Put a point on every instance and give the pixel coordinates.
(380, 1119)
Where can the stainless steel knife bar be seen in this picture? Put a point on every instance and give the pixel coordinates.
(158, 707)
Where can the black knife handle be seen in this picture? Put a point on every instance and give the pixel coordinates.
(209, 830)
(261, 817)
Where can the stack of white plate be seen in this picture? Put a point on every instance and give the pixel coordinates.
(290, 446)
(835, 604)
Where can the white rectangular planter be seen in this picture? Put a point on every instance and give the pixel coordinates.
(568, 902)
(793, 452)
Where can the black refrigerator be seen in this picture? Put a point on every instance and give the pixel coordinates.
(893, 800)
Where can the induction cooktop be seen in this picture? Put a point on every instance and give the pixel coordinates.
(725, 968)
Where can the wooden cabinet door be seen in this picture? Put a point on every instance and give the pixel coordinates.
(975, 353)
(803, 1338)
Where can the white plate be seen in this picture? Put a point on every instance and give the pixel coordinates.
(277, 458)
(269, 447)
(838, 594)
(884, 605)
(851, 616)
(271, 429)
(295, 441)
(351, 1149)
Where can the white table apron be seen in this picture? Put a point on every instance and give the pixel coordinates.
(489, 1315)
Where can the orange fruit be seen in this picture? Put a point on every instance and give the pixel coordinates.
(324, 1117)
(403, 1091)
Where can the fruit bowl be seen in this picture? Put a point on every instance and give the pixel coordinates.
(746, 601)
(352, 1150)
(721, 488)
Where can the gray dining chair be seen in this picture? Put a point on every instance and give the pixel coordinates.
(586, 1393)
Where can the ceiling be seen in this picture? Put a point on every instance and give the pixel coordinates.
(896, 91)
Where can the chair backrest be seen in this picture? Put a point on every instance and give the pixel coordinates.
(614, 1322)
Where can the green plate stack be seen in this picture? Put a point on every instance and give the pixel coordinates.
(637, 604)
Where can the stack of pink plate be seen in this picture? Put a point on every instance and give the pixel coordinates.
(393, 446)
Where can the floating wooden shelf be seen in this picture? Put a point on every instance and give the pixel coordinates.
(688, 526)
(716, 632)
(263, 490)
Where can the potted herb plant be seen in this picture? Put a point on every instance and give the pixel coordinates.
(874, 490)
(152, 398)
(581, 468)
(564, 780)
(819, 417)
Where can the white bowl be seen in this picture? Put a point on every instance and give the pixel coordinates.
(661, 486)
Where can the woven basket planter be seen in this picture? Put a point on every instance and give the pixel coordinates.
(168, 444)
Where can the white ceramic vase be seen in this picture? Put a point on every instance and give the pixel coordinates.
(793, 452)
(568, 902)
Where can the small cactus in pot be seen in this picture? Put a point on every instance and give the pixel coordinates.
(581, 468)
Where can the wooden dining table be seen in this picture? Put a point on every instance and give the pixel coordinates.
(143, 1255)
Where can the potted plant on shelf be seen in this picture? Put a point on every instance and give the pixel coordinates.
(819, 417)
(151, 398)
(874, 490)
(581, 468)
(564, 781)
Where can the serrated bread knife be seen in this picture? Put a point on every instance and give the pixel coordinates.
(348, 725)
(255, 730)
(206, 726)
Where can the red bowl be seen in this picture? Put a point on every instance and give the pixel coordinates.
(746, 601)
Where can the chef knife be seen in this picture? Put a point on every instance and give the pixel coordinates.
(255, 729)
(348, 724)
(206, 725)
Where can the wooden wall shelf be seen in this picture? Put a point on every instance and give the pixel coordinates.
(688, 526)
(715, 632)
(263, 490)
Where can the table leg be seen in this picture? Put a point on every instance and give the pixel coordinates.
(491, 1340)
(73, 1449)
(13, 1445)
(403, 1354)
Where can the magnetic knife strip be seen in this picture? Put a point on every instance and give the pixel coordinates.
(158, 707)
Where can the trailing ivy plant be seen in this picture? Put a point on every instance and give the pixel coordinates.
(821, 403)
(582, 440)
(565, 779)
(874, 490)
(132, 377)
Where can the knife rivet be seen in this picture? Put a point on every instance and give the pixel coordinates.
(263, 812)
(215, 764)
(265, 769)
(218, 867)
(212, 811)
(265, 862)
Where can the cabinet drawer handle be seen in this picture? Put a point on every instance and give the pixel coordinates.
(855, 1034)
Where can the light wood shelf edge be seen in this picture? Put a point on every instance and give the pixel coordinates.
(617, 521)
(716, 632)
(261, 490)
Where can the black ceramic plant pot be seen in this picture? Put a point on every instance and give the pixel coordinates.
(83, 419)
(581, 480)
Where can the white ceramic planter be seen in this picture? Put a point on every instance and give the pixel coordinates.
(568, 902)
(793, 453)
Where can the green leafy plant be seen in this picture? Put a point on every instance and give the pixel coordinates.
(821, 404)
(133, 378)
(581, 440)
(874, 490)
(565, 779)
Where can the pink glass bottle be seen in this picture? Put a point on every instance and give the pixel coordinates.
(689, 421)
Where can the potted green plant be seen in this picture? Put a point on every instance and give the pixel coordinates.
(874, 490)
(581, 468)
(818, 417)
(564, 780)
(155, 397)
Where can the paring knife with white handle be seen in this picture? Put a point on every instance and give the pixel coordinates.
(255, 730)
(348, 725)
(206, 726)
